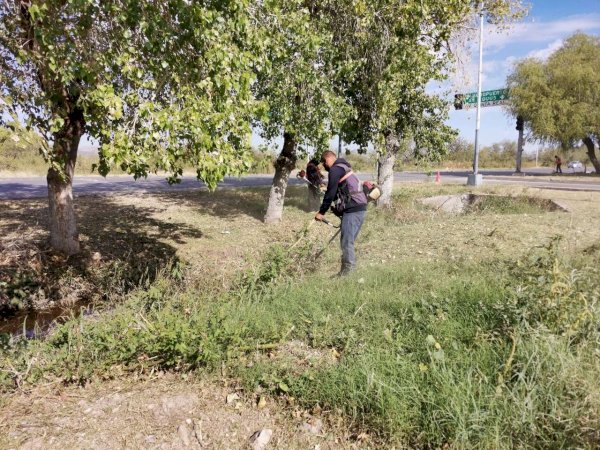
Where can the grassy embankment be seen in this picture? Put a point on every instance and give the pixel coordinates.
(479, 330)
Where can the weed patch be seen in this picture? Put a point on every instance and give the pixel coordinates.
(481, 357)
(499, 204)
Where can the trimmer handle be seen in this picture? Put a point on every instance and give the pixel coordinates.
(327, 222)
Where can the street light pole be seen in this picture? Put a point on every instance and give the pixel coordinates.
(476, 179)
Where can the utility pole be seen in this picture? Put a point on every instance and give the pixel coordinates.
(340, 145)
(475, 179)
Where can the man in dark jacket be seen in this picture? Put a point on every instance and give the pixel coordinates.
(345, 193)
(316, 180)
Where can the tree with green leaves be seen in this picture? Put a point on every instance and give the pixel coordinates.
(157, 84)
(396, 49)
(559, 99)
(296, 85)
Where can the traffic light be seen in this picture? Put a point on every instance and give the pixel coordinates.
(458, 101)
(520, 123)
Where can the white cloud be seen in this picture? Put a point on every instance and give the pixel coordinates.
(545, 53)
(552, 34)
(540, 32)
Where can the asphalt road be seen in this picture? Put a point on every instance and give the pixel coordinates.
(35, 187)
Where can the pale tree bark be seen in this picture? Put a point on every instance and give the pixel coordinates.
(63, 225)
(589, 143)
(283, 167)
(385, 169)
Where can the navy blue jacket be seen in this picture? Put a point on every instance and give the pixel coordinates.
(335, 174)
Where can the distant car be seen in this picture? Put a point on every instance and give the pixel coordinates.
(575, 165)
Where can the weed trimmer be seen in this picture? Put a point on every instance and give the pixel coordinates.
(327, 222)
(339, 230)
(303, 233)
(302, 176)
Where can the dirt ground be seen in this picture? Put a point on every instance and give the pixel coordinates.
(166, 412)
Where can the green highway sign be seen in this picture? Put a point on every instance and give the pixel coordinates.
(488, 98)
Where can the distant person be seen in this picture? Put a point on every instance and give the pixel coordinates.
(558, 163)
(348, 201)
(316, 180)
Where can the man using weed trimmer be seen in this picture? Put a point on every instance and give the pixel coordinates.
(348, 201)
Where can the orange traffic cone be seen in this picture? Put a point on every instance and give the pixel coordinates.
(438, 178)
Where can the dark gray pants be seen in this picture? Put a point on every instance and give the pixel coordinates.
(351, 223)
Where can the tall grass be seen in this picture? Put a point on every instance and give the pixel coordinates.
(28, 160)
(478, 356)
(19, 153)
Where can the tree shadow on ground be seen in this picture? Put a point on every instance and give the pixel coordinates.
(298, 198)
(223, 203)
(231, 203)
(121, 246)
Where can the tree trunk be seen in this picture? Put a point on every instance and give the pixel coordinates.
(589, 143)
(63, 226)
(283, 166)
(385, 170)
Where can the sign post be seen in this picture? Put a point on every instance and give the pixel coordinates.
(475, 179)
(488, 98)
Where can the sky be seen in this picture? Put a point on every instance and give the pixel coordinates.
(543, 31)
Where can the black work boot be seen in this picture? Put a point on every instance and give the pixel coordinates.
(345, 270)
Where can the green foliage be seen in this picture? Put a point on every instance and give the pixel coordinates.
(19, 148)
(390, 51)
(279, 264)
(297, 81)
(558, 97)
(158, 84)
(262, 161)
(557, 296)
(362, 162)
(503, 12)
(454, 363)
(499, 204)
(14, 139)
(500, 154)
(20, 152)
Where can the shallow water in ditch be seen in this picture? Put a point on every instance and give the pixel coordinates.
(34, 324)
